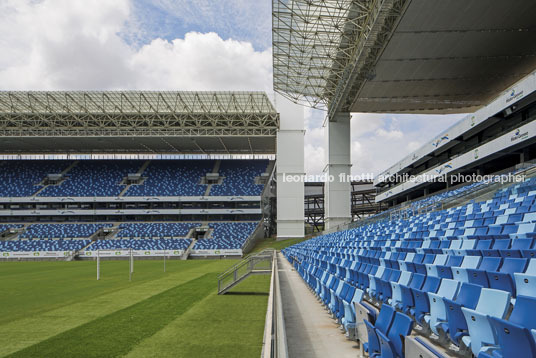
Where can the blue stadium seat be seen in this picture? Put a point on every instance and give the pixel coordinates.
(479, 276)
(382, 324)
(492, 303)
(455, 324)
(420, 297)
(392, 343)
(504, 279)
(514, 336)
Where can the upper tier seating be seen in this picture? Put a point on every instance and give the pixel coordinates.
(173, 178)
(456, 273)
(239, 178)
(155, 230)
(94, 178)
(91, 178)
(20, 178)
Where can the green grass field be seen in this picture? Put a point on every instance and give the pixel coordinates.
(59, 309)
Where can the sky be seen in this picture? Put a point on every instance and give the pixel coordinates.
(179, 45)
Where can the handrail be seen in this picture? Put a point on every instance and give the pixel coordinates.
(275, 337)
(243, 262)
(243, 269)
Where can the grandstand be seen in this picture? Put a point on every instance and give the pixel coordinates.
(199, 202)
(449, 276)
(448, 269)
(404, 267)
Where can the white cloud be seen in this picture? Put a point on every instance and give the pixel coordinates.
(75, 44)
(202, 62)
(315, 158)
(389, 134)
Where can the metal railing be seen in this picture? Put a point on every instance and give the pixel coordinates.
(275, 337)
(260, 263)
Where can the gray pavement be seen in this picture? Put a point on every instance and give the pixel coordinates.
(311, 332)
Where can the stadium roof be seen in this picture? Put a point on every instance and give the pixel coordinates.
(138, 121)
(420, 56)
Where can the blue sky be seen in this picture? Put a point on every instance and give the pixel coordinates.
(242, 20)
(178, 45)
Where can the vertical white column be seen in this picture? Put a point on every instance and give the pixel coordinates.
(337, 192)
(290, 164)
(131, 269)
(98, 265)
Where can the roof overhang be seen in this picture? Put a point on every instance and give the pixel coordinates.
(415, 56)
(138, 122)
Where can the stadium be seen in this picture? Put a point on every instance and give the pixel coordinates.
(180, 223)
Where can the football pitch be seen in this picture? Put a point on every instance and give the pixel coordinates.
(59, 309)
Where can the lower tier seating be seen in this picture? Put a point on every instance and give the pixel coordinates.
(141, 244)
(227, 236)
(464, 278)
(43, 245)
(139, 236)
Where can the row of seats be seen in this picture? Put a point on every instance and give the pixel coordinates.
(401, 211)
(140, 244)
(6, 227)
(239, 178)
(449, 275)
(22, 178)
(225, 235)
(90, 178)
(155, 230)
(228, 236)
(94, 178)
(43, 245)
(61, 231)
(173, 178)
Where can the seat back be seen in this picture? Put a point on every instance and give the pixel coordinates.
(493, 302)
(385, 318)
(402, 326)
(480, 330)
(417, 281)
(531, 268)
(490, 263)
(468, 295)
(513, 264)
(513, 339)
(448, 288)
(524, 312)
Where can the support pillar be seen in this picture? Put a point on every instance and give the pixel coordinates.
(338, 191)
(290, 166)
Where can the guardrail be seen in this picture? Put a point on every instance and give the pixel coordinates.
(275, 337)
(253, 264)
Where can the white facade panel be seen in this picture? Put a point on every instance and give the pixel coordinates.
(290, 164)
(515, 93)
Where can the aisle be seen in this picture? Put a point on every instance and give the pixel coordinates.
(311, 332)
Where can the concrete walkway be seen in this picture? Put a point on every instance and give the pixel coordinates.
(311, 332)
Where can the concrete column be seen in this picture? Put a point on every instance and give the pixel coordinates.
(290, 165)
(337, 196)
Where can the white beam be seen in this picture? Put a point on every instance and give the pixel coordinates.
(337, 193)
(290, 163)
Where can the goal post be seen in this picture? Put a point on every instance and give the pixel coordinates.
(106, 254)
(131, 270)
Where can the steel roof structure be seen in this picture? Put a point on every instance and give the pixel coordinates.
(138, 121)
(415, 56)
